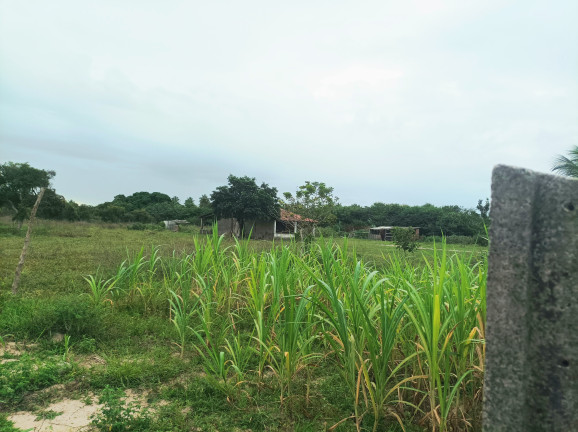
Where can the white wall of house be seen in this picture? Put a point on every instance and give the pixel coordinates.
(286, 235)
(260, 230)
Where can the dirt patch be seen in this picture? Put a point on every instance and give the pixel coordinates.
(75, 417)
(72, 415)
(89, 361)
(14, 349)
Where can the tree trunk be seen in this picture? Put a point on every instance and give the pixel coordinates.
(26, 241)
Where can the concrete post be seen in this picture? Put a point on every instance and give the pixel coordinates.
(531, 377)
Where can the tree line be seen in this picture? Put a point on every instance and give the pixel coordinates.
(241, 198)
(431, 220)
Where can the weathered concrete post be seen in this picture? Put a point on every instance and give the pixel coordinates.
(531, 379)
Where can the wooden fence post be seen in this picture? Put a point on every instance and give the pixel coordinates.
(26, 241)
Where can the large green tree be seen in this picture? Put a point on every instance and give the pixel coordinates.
(313, 200)
(244, 200)
(204, 204)
(19, 185)
(567, 166)
(52, 206)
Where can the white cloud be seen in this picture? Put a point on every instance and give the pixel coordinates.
(349, 80)
(432, 90)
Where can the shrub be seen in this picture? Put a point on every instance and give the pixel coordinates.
(139, 226)
(457, 239)
(482, 240)
(405, 238)
(117, 416)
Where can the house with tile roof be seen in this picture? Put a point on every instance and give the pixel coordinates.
(286, 226)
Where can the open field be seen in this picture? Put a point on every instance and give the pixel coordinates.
(215, 334)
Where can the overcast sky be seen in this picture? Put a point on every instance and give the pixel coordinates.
(403, 101)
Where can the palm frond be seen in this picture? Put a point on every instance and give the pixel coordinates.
(567, 166)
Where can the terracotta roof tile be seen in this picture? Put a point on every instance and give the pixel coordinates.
(293, 217)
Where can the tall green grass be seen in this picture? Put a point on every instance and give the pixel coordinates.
(407, 339)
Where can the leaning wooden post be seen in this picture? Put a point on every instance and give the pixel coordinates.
(26, 241)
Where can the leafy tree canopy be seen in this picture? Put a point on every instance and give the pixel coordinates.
(484, 209)
(313, 200)
(205, 203)
(244, 200)
(141, 200)
(19, 184)
(431, 220)
(52, 205)
(190, 203)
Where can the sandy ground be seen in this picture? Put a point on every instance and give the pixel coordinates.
(13, 349)
(75, 417)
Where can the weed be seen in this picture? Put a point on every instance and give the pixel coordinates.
(99, 288)
(67, 344)
(118, 416)
(48, 415)
(25, 375)
(8, 426)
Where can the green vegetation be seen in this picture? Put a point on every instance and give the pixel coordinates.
(118, 416)
(19, 184)
(405, 239)
(243, 334)
(567, 166)
(313, 200)
(243, 200)
(431, 220)
(6, 425)
(17, 378)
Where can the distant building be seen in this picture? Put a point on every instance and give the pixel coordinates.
(173, 225)
(285, 227)
(385, 233)
(288, 224)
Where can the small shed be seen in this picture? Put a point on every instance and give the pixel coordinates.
(284, 227)
(385, 233)
(173, 225)
(207, 221)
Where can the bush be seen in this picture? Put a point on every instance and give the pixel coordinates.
(482, 240)
(117, 416)
(327, 232)
(139, 226)
(405, 238)
(456, 239)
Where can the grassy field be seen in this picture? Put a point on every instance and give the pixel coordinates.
(243, 335)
